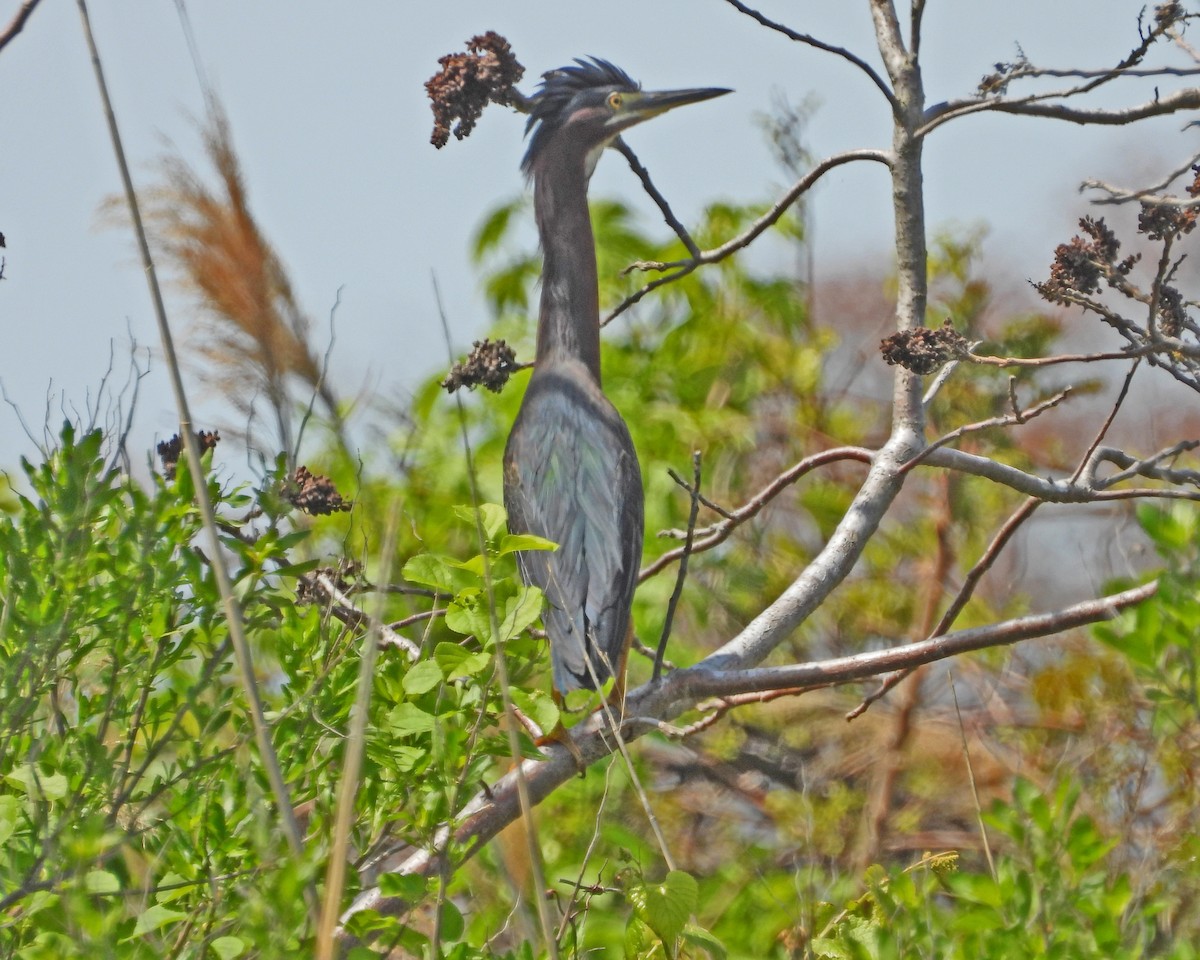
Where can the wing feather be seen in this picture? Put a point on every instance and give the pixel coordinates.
(572, 476)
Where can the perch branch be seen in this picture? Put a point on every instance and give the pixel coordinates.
(493, 809)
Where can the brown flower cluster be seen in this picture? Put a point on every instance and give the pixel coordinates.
(170, 450)
(468, 82)
(1166, 15)
(489, 364)
(1079, 266)
(315, 495)
(922, 350)
(1161, 220)
(1171, 312)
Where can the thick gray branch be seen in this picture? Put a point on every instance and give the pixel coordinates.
(1054, 490)
(1038, 106)
(489, 812)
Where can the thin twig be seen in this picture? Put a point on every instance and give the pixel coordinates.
(649, 654)
(681, 268)
(1130, 352)
(720, 706)
(1086, 459)
(17, 23)
(812, 41)
(341, 608)
(1146, 467)
(1036, 105)
(1017, 417)
(712, 682)
(965, 592)
(683, 564)
(1188, 99)
(987, 847)
(719, 532)
(648, 185)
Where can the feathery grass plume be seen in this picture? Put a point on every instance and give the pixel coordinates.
(251, 332)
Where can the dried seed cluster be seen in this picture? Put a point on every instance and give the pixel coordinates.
(468, 82)
(923, 350)
(489, 364)
(170, 450)
(1080, 266)
(315, 495)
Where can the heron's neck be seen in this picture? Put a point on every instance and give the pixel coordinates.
(569, 321)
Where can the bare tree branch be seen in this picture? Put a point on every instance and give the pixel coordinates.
(340, 606)
(681, 268)
(1188, 99)
(708, 537)
(648, 185)
(1037, 104)
(862, 665)
(1008, 420)
(17, 23)
(493, 809)
(1129, 353)
(1148, 467)
(812, 41)
(680, 579)
(1044, 488)
(1150, 194)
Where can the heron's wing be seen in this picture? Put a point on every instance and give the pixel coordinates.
(571, 476)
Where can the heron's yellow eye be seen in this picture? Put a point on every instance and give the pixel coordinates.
(614, 101)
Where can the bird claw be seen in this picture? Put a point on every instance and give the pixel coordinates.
(561, 735)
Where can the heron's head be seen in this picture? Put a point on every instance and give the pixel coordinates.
(579, 110)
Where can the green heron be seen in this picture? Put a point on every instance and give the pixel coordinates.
(571, 473)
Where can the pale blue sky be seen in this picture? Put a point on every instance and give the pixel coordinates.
(328, 112)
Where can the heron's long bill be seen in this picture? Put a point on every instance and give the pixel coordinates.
(646, 104)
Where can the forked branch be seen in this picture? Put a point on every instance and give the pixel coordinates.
(493, 809)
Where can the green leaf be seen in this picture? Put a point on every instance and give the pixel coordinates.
(512, 542)
(829, 949)
(538, 707)
(406, 886)
(637, 939)
(431, 570)
(226, 948)
(665, 907)
(699, 937)
(101, 881)
(407, 719)
(521, 611)
(492, 516)
(494, 228)
(457, 662)
(38, 785)
(155, 918)
(10, 811)
(468, 614)
(452, 921)
(175, 882)
(422, 678)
